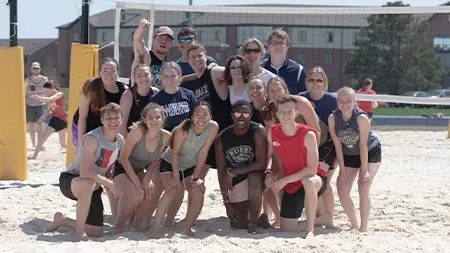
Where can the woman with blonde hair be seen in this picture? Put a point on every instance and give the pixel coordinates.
(324, 104)
(253, 52)
(358, 153)
(135, 175)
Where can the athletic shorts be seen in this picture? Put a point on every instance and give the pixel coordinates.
(165, 167)
(95, 216)
(119, 169)
(292, 204)
(354, 161)
(34, 113)
(327, 153)
(239, 193)
(57, 124)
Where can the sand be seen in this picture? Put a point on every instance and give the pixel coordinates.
(410, 213)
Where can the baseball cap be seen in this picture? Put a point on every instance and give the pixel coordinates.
(35, 65)
(164, 30)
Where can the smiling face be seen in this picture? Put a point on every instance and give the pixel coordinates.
(275, 89)
(241, 116)
(111, 120)
(170, 78)
(346, 100)
(197, 59)
(201, 117)
(143, 76)
(154, 118)
(108, 72)
(162, 43)
(256, 89)
(287, 112)
(252, 53)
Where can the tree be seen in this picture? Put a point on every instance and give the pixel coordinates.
(397, 52)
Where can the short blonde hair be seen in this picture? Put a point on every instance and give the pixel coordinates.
(317, 69)
(253, 40)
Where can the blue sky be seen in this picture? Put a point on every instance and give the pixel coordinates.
(38, 18)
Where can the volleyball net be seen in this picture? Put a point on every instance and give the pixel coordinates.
(403, 49)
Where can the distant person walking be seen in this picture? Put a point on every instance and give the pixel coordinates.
(367, 106)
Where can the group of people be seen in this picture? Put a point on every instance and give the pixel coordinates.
(271, 129)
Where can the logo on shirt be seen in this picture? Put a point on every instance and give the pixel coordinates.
(178, 108)
(240, 156)
(348, 137)
(155, 71)
(275, 143)
(107, 158)
(202, 92)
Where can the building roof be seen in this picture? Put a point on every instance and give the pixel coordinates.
(30, 46)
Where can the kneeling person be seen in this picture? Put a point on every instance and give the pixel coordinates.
(295, 144)
(240, 157)
(82, 181)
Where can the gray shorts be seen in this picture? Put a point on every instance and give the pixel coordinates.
(34, 113)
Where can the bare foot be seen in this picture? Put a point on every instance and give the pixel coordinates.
(325, 220)
(57, 222)
(362, 229)
(263, 221)
(188, 232)
(117, 231)
(251, 228)
(31, 157)
(309, 235)
(154, 232)
(80, 236)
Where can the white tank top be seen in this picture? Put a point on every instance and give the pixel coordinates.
(234, 97)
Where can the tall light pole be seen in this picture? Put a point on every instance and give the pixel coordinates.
(12, 22)
(189, 15)
(85, 21)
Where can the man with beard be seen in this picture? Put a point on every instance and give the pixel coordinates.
(241, 151)
(161, 44)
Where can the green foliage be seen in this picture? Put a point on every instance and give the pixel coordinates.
(397, 51)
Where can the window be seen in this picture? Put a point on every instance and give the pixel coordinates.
(104, 36)
(301, 36)
(217, 34)
(328, 59)
(246, 32)
(354, 82)
(355, 37)
(442, 42)
(132, 36)
(329, 37)
(76, 37)
(199, 35)
(302, 59)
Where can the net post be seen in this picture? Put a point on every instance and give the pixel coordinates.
(151, 19)
(117, 33)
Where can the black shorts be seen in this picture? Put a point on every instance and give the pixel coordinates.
(165, 167)
(292, 204)
(95, 216)
(327, 153)
(57, 124)
(119, 169)
(354, 161)
(33, 113)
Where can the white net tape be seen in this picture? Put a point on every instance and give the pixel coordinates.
(295, 15)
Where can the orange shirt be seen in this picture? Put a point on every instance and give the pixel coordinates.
(366, 106)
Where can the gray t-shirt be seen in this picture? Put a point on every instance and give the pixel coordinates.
(35, 89)
(348, 133)
(106, 154)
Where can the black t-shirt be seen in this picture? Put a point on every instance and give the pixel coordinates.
(155, 67)
(136, 109)
(204, 89)
(256, 115)
(93, 118)
(239, 150)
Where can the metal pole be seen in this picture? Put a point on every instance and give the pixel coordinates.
(85, 21)
(190, 15)
(12, 22)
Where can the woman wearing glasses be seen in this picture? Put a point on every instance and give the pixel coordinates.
(253, 52)
(237, 75)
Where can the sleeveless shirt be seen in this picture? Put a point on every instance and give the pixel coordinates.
(136, 109)
(140, 157)
(106, 154)
(233, 97)
(348, 133)
(292, 153)
(189, 149)
(35, 89)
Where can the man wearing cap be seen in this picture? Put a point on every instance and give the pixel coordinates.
(34, 85)
(162, 42)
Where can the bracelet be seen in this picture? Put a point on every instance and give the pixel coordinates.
(231, 174)
(195, 179)
(268, 171)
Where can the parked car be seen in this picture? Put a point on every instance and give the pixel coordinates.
(410, 94)
(441, 93)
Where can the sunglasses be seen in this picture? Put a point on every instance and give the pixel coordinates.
(277, 43)
(252, 50)
(186, 40)
(315, 80)
(235, 67)
(239, 114)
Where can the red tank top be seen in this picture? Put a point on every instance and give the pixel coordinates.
(59, 111)
(292, 153)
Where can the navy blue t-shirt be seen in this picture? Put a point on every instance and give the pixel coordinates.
(324, 106)
(186, 68)
(176, 105)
